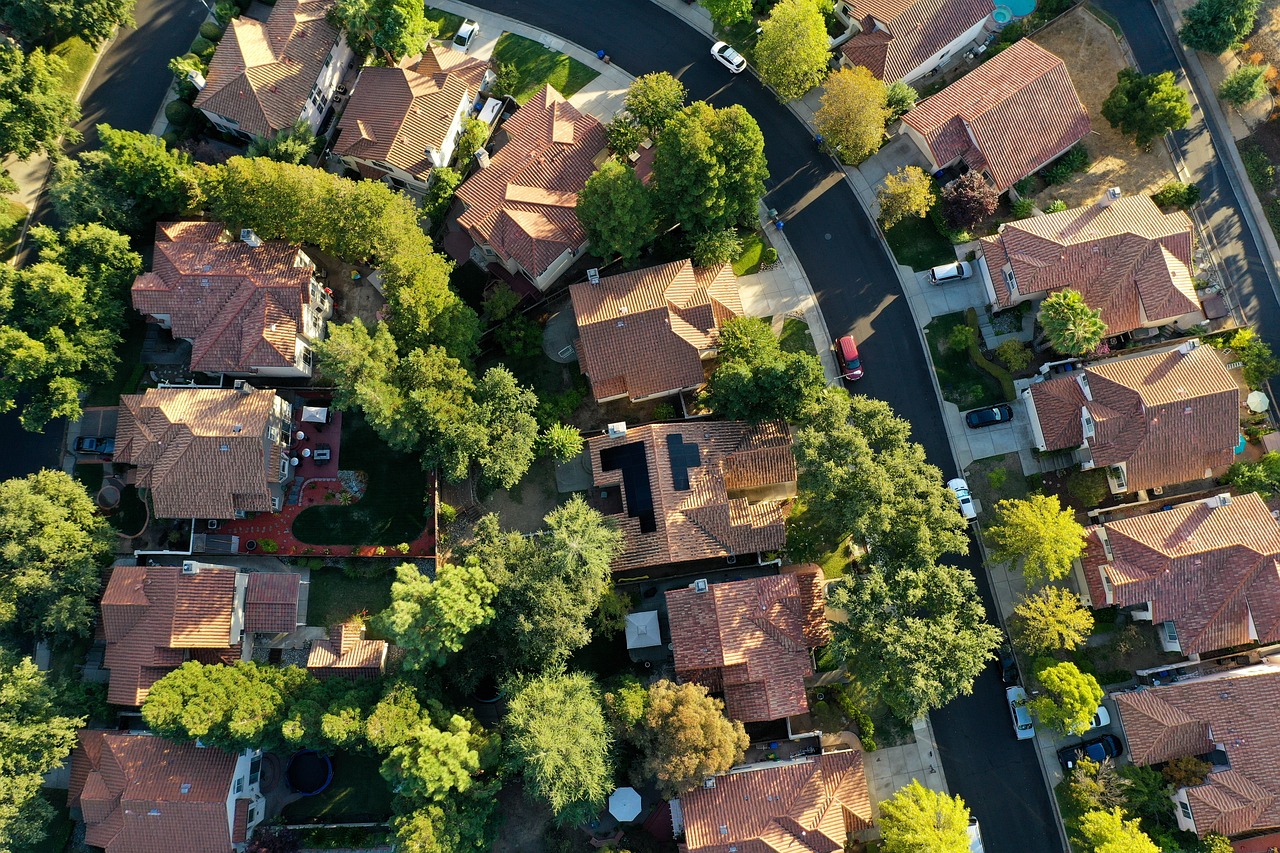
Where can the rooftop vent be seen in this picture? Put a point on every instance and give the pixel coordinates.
(618, 429)
(237, 428)
(724, 829)
(247, 235)
(225, 448)
(1110, 198)
(700, 585)
(1187, 347)
(190, 568)
(482, 158)
(243, 387)
(709, 782)
(185, 788)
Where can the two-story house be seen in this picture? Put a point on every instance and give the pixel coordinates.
(907, 39)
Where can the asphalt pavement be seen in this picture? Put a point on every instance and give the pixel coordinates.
(858, 290)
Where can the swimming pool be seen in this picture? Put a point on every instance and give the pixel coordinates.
(1020, 8)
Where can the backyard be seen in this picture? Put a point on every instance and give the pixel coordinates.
(335, 596)
(357, 793)
(537, 66)
(128, 372)
(961, 380)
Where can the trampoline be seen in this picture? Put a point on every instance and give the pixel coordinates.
(309, 772)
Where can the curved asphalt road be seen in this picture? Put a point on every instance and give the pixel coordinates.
(858, 290)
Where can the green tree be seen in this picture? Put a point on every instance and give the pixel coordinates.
(505, 411)
(559, 743)
(1186, 771)
(1147, 106)
(919, 820)
(561, 442)
(726, 13)
(1072, 327)
(35, 112)
(444, 182)
(1090, 786)
(905, 193)
(103, 258)
(1050, 619)
(1214, 26)
(1260, 364)
(1014, 354)
(327, 714)
(792, 53)
(899, 98)
(1177, 194)
(458, 823)
(53, 547)
(1245, 85)
(1070, 700)
(442, 755)
(652, 99)
(384, 30)
(756, 380)
(47, 22)
(1037, 533)
(709, 168)
(1261, 476)
(853, 113)
(475, 134)
(684, 737)
(615, 211)
(292, 145)
(968, 200)
(1107, 831)
(715, 247)
(624, 134)
(430, 618)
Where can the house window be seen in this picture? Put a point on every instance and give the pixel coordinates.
(276, 504)
(284, 465)
(240, 785)
(1010, 282)
(1170, 633)
(252, 814)
(1186, 809)
(255, 768)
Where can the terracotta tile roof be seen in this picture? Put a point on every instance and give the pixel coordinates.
(262, 73)
(1127, 259)
(917, 30)
(130, 789)
(271, 602)
(1009, 116)
(152, 616)
(241, 307)
(807, 806)
(439, 59)
(1213, 570)
(347, 653)
(696, 490)
(750, 641)
(523, 204)
(1169, 416)
(396, 115)
(1231, 710)
(645, 332)
(200, 451)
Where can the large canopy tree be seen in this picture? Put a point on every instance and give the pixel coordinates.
(35, 112)
(384, 30)
(919, 820)
(756, 380)
(47, 22)
(431, 617)
(1038, 534)
(616, 212)
(652, 99)
(792, 53)
(1147, 106)
(684, 737)
(853, 113)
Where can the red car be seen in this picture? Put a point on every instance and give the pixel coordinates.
(850, 363)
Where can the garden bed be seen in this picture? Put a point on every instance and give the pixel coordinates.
(538, 66)
(962, 382)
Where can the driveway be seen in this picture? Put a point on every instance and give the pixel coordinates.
(898, 152)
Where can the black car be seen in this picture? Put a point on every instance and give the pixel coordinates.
(92, 444)
(1099, 749)
(1008, 664)
(989, 416)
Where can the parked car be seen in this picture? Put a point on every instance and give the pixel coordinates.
(850, 362)
(1101, 718)
(975, 837)
(1022, 725)
(1008, 664)
(1099, 749)
(991, 415)
(961, 489)
(958, 271)
(728, 57)
(466, 34)
(96, 446)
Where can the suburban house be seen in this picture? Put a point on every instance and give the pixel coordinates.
(1226, 719)
(1010, 116)
(1126, 258)
(140, 793)
(1205, 572)
(267, 76)
(404, 121)
(906, 39)
(346, 653)
(693, 490)
(751, 640)
(1150, 420)
(812, 804)
(155, 618)
(519, 209)
(248, 306)
(646, 334)
(211, 453)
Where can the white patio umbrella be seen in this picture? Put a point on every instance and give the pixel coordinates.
(624, 804)
(643, 629)
(1257, 401)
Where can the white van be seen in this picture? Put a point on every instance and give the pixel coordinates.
(958, 271)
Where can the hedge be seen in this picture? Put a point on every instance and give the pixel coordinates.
(1004, 377)
(178, 113)
(203, 48)
(210, 31)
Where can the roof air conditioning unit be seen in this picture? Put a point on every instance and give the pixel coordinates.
(617, 429)
(190, 568)
(482, 158)
(1112, 196)
(709, 782)
(700, 585)
(1187, 347)
(1218, 501)
(242, 386)
(593, 275)
(197, 79)
(247, 235)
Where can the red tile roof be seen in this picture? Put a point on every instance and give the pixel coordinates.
(917, 30)
(271, 602)
(806, 806)
(1127, 259)
(1233, 711)
(241, 307)
(130, 790)
(750, 640)
(646, 332)
(1170, 417)
(1213, 570)
(347, 653)
(524, 203)
(262, 74)
(200, 451)
(1008, 117)
(735, 500)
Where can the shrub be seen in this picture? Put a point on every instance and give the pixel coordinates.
(1177, 194)
(1055, 206)
(997, 478)
(225, 11)
(178, 113)
(1025, 186)
(967, 200)
(446, 514)
(1186, 771)
(664, 412)
(210, 31)
(203, 48)
(1088, 487)
(1244, 85)
(1060, 171)
(1023, 208)
(975, 354)
(1014, 354)
(770, 256)
(715, 247)
(268, 546)
(1256, 165)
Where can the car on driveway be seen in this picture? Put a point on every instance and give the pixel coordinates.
(1101, 718)
(95, 446)
(728, 57)
(1099, 749)
(1022, 725)
(850, 361)
(961, 489)
(990, 416)
(466, 34)
(958, 271)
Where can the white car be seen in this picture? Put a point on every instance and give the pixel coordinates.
(728, 57)
(1022, 725)
(1100, 719)
(951, 272)
(961, 489)
(975, 837)
(466, 34)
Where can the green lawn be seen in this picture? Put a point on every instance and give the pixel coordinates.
(335, 598)
(810, 541)
(538, 66)
(128, 371)
(12, 217)
(448, 22)
(962, 381)
(917, 243)
(394, 507)
(795, 337)
(748, 263)
(79, 58)
(357, 791)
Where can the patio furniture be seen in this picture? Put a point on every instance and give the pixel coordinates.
(306, 451)
(323, 454)
(300, 435)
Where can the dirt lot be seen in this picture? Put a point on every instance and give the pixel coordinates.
(1094, 58)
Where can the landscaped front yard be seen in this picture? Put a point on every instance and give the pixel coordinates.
(448, 22)
(538, 66)
(962, 382)
(916, 243)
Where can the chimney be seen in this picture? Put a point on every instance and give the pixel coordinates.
(243, 387)
(618, 429)
(1110, 197)
(1187, 347)
(482, 157)
(247, 235)
(197, 79)
(190, 568)
(700, 585)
